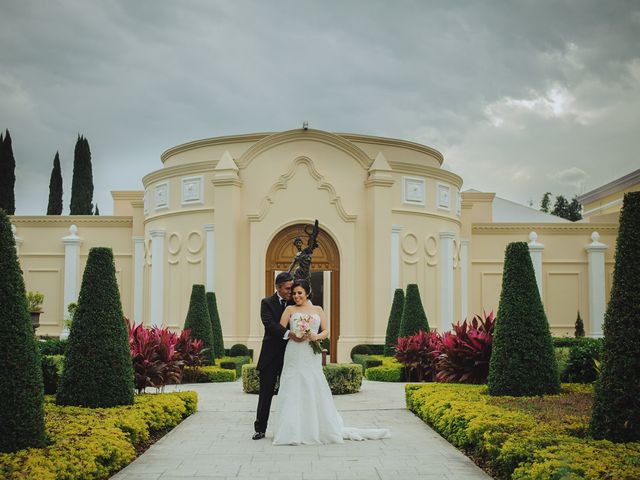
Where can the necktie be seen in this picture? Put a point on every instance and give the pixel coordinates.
(283, 302)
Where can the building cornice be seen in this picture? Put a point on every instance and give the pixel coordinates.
(152, 218)
(477, 197)
(63, 221)
(621, 183)
(449, 218)
(585, 228)
(179, 170)
(212, 142)
(393, 142)
(132, 195)
(427, 171)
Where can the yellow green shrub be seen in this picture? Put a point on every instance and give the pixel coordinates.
(208, 374)
(532, 436)
(86, 443)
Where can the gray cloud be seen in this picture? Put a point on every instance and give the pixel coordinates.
(510, 93)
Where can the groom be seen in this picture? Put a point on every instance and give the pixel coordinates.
(273, 345)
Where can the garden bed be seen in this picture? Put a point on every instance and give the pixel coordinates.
(95, 443)
(524, 437)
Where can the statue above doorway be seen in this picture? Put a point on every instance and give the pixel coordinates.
(300, 267)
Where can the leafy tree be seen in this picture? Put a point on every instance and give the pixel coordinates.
(55, 188)
(561, 207)
(97, 368)
(21, 385)
(574, 210)
(413, 317)
(199, 321)
(579, 332)
(82, 183)
(216, 327)
(7, 175)
(616, 406)
(393, 325)
(544, 204)
(522, 359)
(96, 211)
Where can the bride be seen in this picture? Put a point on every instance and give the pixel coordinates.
(307, 414)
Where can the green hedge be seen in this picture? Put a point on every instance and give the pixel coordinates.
(52, 366)
(237, 361)
(52, 346)
(581, 362)
(94, 443)
(342, 378)
(385, 374)
(513, 443)
(559, 342)
(209, 374)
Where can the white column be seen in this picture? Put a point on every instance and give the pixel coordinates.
(595, 252)
(138, 279)
(157, 276)
(535, 251)
(464, 279)
(71, 271)
(446, 280)
(17, 239)
(395, 258)
(211, 265)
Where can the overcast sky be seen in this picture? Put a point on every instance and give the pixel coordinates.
(521, 97)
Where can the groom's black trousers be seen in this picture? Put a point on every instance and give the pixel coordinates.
(268, 377)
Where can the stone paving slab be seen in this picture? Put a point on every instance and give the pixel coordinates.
(215, 443)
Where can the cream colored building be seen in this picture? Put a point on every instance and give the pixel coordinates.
(223, 212)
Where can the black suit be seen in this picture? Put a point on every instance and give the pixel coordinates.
(271, 357)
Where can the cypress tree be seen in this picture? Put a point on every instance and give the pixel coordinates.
(393, 325)
(579, 331)
(7, 175)
(82, 183)
(199, 321)
(97, 368)
(96, 211)
(616, 406)
(55, 188)
(413, 317)
(216, 327)
(522, 359)
(21, 386)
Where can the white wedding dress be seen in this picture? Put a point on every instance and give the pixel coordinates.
(306, 412)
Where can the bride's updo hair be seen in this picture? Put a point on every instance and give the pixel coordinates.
(301, 282)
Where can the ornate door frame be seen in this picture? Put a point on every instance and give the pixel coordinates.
(326, 257)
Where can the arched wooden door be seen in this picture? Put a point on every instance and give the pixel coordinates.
(325, 268)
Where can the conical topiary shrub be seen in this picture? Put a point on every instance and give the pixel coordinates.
(616, 405)
(21, 387)
(413, 317)
(199, 321)
(97, 367)
(218, 339)
(522, 362)
(579, 330)
(393, 325)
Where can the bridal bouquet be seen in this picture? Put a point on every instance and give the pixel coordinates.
(304, 327)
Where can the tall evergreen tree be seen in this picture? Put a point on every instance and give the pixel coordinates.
(616, 406)
(96, 211)
(21, 386)
(216, 327)
(413, 317)
(579, 330)
(574, 210)
(199, 321)
(55, 188)
(82, 183)
(7, 175)
(522, 361)
(544, 204)
(97, 368)
(393, 325)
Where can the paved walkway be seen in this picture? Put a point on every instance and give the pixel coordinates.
(215, 443)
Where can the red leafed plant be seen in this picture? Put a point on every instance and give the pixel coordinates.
(191, 353)
(418, 354)
(159, 355)
(464, 355)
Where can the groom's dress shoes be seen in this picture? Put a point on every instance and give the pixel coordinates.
(258, 435)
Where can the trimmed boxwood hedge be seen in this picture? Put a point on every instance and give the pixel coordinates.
(238, 362)
(342, 378)
(385, 373)
(94, 443)
(209, 374)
